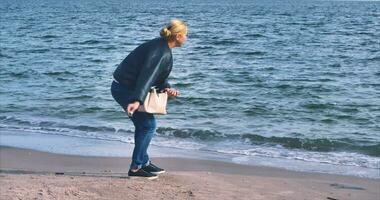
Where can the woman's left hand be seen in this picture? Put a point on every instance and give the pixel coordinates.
(172, 92)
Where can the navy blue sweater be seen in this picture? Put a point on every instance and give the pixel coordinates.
(147, 65)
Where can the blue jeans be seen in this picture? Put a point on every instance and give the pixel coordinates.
(145, 126)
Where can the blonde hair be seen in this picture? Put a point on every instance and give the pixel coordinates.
(174, 28)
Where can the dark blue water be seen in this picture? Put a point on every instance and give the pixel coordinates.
(281, 79)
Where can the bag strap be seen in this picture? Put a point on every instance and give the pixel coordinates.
(153, 90)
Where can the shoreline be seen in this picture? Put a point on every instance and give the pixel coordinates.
(63, 144)
(24, 173)
(14, 159)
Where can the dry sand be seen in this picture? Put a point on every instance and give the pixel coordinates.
(28, 174)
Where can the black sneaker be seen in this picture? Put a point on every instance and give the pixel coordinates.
(153, 169)
(142, 173)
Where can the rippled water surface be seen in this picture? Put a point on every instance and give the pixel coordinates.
(287, 79)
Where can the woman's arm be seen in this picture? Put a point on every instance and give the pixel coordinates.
(164, 85)
(149, 72)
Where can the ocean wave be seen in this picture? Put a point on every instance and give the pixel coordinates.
(317, 144)
(375, 58)
(80, 96)
(49, 36)
(54, 126)
(87, 42)
(254, 35)
(369, 147)
(295, 147)
(190, 133)
(318, 106)
(224, 42)
(41, 50)
(4, 56)
(204, 101)
(22, 74)
(183, 85)
(60, 73)
(248, 53)
(203, 47)
(258, 111)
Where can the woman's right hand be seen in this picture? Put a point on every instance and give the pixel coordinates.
(132, 107)
(172, 92)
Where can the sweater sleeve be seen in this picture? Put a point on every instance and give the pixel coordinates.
(164, 84)
(147, 76)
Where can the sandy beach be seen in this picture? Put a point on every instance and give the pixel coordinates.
(29, 174)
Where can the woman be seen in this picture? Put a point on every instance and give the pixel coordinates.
(146, 66)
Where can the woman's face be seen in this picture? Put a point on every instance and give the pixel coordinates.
(181, 39)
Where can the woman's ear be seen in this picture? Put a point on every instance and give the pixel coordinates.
(178, 36)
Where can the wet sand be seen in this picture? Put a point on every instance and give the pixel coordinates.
(29, 174)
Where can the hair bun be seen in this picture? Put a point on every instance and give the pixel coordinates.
(165, 32)
(171, 30)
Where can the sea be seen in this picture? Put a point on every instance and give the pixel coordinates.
(293, 84)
